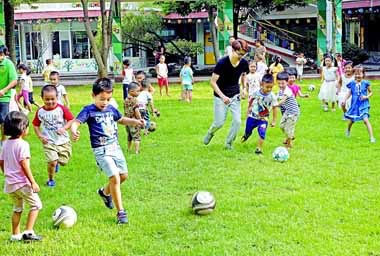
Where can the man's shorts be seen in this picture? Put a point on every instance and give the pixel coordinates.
(111, 160)
(60, 153)
(25, 194)
(4, 110)
(288, 124)
(187, 87)
(133, 133)
(163, 82)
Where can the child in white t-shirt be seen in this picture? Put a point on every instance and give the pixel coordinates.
(252, 79)
(145, 104)
(25, 84)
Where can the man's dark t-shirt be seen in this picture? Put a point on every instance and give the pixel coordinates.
(229, 75)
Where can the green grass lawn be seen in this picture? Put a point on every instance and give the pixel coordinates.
(324, 201)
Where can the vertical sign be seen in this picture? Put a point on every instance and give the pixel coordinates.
(321, 30)
(225, 25)
(2, 24)
(117, 50)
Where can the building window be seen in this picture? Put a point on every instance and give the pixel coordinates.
(61, 44)
(80, 43)
(33, 45)
(131, 50)
(17, 43)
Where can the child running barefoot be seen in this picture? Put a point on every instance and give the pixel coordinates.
(102, 121)
(19, 180)
(346, 78)
(259, 108)
(361, 91)
(330, 78)
(131, 110)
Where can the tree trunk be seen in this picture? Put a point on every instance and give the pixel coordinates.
(102, 66)
(214, 36)
(9, 28)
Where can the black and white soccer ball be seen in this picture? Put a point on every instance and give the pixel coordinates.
(281, 154)
(152, 127)
(203, 203)
(311, 88)
(64, 217)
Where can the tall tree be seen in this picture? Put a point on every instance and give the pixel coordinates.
(9, 13)
(100, 54)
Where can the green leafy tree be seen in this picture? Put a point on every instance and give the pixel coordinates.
(141, 30)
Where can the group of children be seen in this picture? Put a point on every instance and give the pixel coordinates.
(344, 85)
(51, 124)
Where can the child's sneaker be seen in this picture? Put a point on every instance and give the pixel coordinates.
(122, 217)
(208, 138)
(15, 238)
(106, 199)
(325, 108)
(348, 133)
(30, 237)
(57, 168)
(373, 140)
(50, 183)
(243, 138)
(258, 151)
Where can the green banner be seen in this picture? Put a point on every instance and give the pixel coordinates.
(338, 26)
(321, 30)
(225, 25)
(116, 39)
(2, 24)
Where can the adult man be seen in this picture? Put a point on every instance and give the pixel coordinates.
(225, 83)
(8, 80)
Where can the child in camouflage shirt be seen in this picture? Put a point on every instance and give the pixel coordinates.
(131, 110)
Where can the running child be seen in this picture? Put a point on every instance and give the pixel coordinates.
(260, 105)
(289, 109)
(252, 80)
(296, 89)
(102, 120)
(131, 110)
(162, 75)
(360, 90)
(330, 78)
(128, 77)
(146, 106)
(47, 70)
(54, 119)
(300, 62)
(25, 84)
(187, 80)
(346, 78)
(19, 181)
(62, 96)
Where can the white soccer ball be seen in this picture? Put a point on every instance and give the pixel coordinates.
(311, 88)
(280, 154)
(64, 217)
(152, 127)
(203, 203)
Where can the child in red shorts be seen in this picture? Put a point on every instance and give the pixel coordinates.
(162, 75)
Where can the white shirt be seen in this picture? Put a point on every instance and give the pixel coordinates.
(60, 92)
(253, 81)
(143, 99)
(261, 69)
(27, 85)
(128, 76)
(162, 70)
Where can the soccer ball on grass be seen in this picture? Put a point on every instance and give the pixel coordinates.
(280, 154)
(64, 217)
(203, 203)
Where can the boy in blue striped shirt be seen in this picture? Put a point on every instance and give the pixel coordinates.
(289, 108)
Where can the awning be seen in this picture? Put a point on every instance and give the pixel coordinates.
(54, 15)
(360, 4)
(192, 15)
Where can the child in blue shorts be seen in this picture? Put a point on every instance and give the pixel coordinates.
(187, 80)
(260, 105)
(102, 119)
